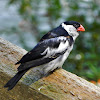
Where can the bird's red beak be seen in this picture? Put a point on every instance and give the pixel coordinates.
(81, 28)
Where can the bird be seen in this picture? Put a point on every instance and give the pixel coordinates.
(50, 52)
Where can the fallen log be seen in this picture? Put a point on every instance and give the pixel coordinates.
(60, 85)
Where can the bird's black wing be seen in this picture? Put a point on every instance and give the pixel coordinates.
(35, 63)
(49, 35)
(37, 51)
(34, 54)
(44, 52)
(56, 32)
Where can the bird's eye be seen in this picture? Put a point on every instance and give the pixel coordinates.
(76, 25)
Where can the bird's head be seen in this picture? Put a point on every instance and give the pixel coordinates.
(73, 28)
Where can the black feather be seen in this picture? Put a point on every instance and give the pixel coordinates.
(35, 63)
(56, 32)
(36, 52)
(13, 81)
(74, 23)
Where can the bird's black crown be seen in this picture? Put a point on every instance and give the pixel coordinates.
(74, 23)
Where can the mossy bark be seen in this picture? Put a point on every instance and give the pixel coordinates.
(60, 85)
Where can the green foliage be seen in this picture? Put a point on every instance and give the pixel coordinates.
(85, 58)
(93, 73)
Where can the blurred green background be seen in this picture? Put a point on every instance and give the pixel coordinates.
(24, 22)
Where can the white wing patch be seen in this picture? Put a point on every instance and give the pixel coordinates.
(62, 46)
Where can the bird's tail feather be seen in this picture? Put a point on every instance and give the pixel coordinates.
(13, 81)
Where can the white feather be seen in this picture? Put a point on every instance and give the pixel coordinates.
(71, 30)
(57, 63)
(62, 46)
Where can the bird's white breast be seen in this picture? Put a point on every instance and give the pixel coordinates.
(66, 54)
(58, 62)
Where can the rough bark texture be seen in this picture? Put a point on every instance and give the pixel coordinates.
(61, 85)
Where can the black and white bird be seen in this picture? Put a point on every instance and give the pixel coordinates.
(51, 52)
